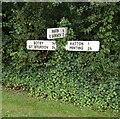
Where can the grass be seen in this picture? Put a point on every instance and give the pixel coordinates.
(19, 104)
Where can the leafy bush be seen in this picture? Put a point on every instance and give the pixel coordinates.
(82, 78)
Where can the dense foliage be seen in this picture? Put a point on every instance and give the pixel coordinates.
(83, 78)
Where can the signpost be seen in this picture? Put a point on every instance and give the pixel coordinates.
(53, 33)
(83, 46)
(41, 45)
(61, 32)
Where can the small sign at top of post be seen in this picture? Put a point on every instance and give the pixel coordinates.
(53, 33)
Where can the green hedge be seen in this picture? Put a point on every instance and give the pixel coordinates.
(82, 78)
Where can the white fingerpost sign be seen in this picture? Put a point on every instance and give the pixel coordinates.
(54, 33)
(83, 46)
(41, 45)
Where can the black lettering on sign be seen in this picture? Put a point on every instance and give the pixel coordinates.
(53, 35)
(76, 43)
(49, 36)
(89, 48)
(40, 47)
(81, 43)
(63, 34)
(71, 43)
(56, 35)
(35, 46)
(30, 46)
(55, 31)
(72, 47)
(38, 43)
(53, 43)
(59, 35)
(53, 47)
(80, 48)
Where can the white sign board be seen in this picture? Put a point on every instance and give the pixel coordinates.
(53, 33)
(83, 46)
(41, 45)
